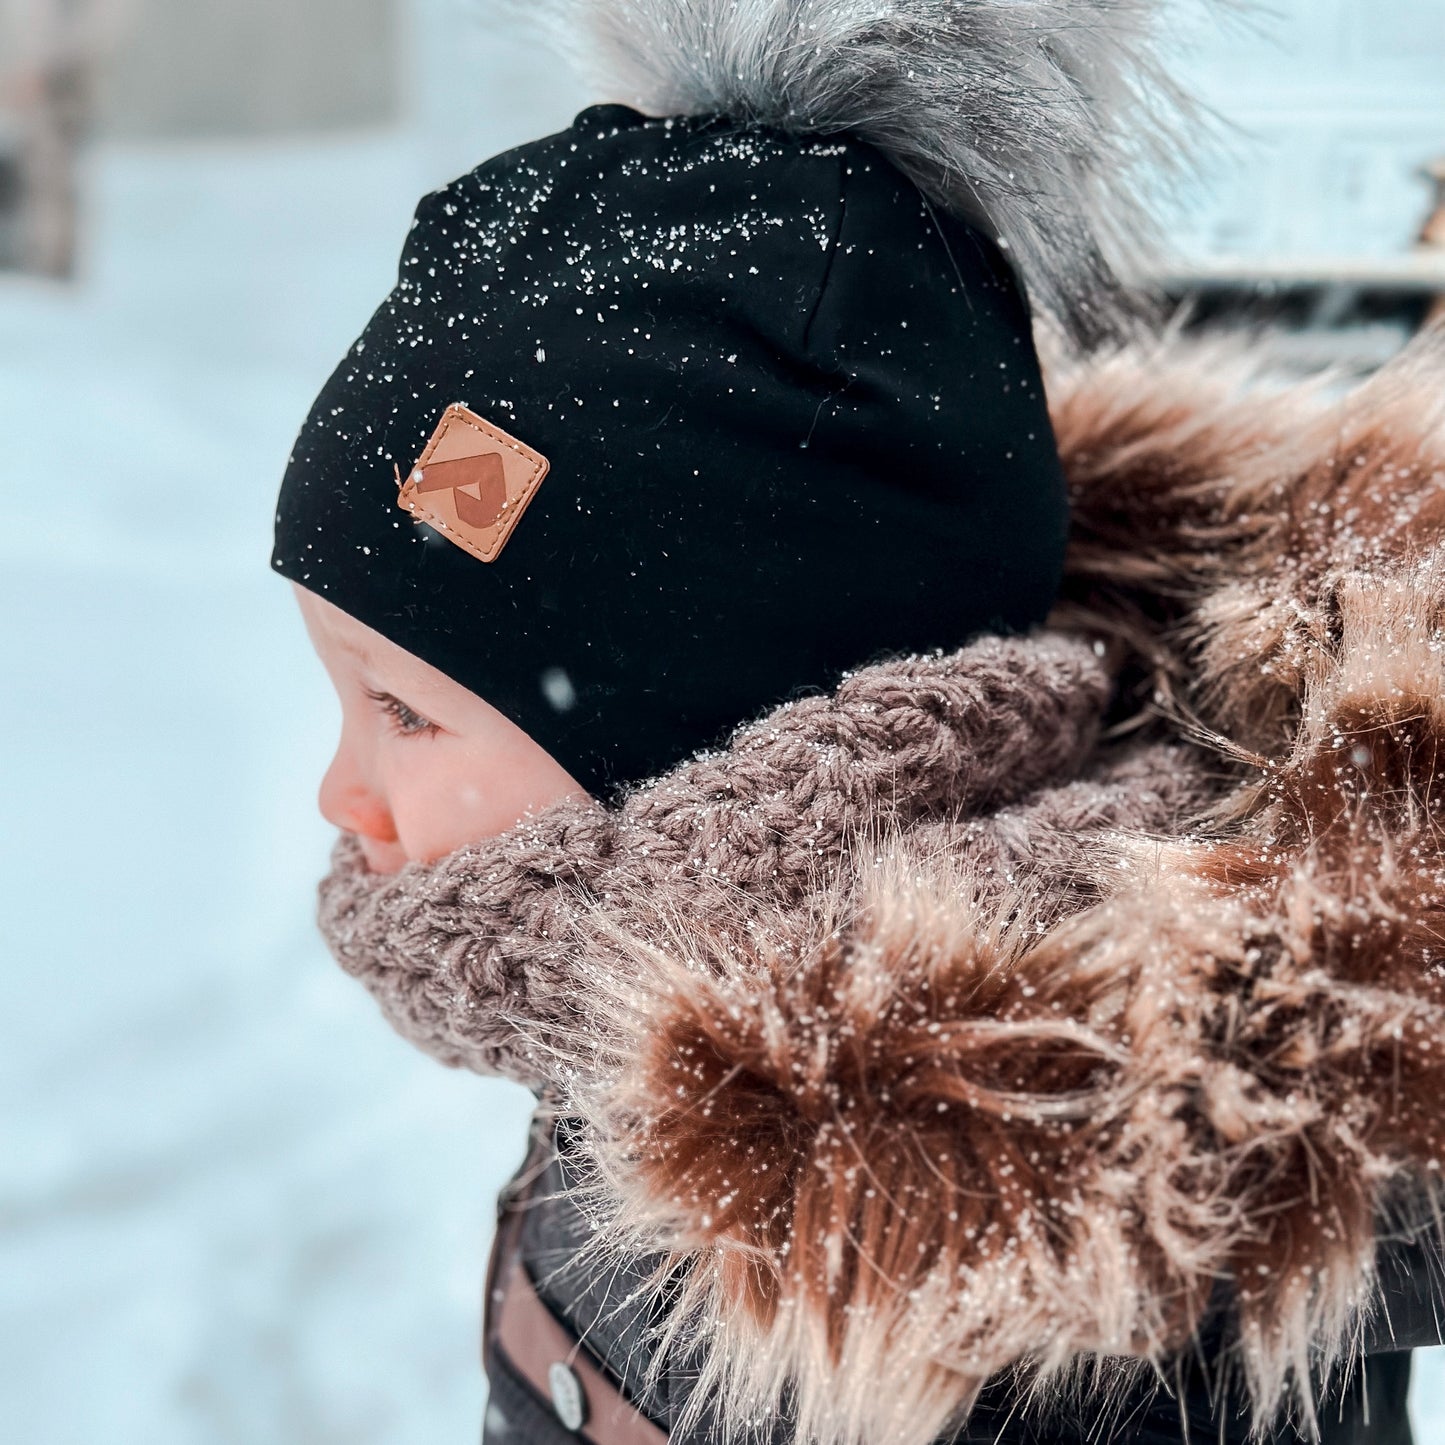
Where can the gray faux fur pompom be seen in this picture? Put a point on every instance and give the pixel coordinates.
(1037, 116)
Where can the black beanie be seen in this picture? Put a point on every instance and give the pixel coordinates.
(791, 415)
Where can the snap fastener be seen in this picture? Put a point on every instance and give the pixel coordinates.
(568, 1398)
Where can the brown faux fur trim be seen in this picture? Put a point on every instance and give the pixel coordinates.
(939, 1038)
(1206, 494)
(959, 1136)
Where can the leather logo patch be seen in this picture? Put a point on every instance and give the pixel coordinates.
(472, 483)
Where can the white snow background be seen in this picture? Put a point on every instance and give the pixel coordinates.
(234, 1209)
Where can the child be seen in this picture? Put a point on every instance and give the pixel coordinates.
(932, 1056)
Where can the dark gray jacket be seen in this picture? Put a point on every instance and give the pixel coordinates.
(1365, 1405)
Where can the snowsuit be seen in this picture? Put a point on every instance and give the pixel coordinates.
(1041, 1041)
(612, 1308)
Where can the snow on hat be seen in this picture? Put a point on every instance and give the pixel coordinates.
(792, 419)
(669, 419)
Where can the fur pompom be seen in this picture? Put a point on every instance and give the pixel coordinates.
(1039, 117)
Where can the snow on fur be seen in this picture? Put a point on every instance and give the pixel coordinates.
(962, 1134)
(1045, 118)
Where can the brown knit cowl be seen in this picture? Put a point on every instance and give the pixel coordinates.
(992, 1010)
(483, 959)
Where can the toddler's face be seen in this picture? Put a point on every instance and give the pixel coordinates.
(423, 765)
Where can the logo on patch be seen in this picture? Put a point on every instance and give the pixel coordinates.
(472, 483)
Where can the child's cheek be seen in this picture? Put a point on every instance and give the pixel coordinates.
(439, 804)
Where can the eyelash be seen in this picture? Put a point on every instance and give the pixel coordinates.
(407, 722)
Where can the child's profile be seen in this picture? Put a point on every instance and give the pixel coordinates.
(423, 765)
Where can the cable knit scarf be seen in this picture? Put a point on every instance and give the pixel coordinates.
(990, 1011)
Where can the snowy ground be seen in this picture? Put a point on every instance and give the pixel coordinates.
(232, 1207)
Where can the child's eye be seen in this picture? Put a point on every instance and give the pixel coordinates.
(407, 721)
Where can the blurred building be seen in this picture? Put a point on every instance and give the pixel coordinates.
(1321, 205)
(1337, 107)
(248, 67)
(174, 68)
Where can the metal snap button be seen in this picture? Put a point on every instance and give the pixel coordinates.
(568, 1398)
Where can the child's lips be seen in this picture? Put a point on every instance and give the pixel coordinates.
(381, 857)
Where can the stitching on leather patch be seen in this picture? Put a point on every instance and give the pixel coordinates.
(472, 482)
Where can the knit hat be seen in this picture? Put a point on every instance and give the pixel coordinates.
(668, 420)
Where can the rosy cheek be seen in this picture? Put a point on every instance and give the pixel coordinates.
(438, 810)
(471, 802)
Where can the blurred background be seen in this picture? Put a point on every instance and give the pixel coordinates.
(233, 1208)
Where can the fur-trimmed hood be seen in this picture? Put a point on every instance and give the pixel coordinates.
(993, 1011)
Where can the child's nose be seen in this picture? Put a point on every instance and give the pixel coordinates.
(347, 802)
